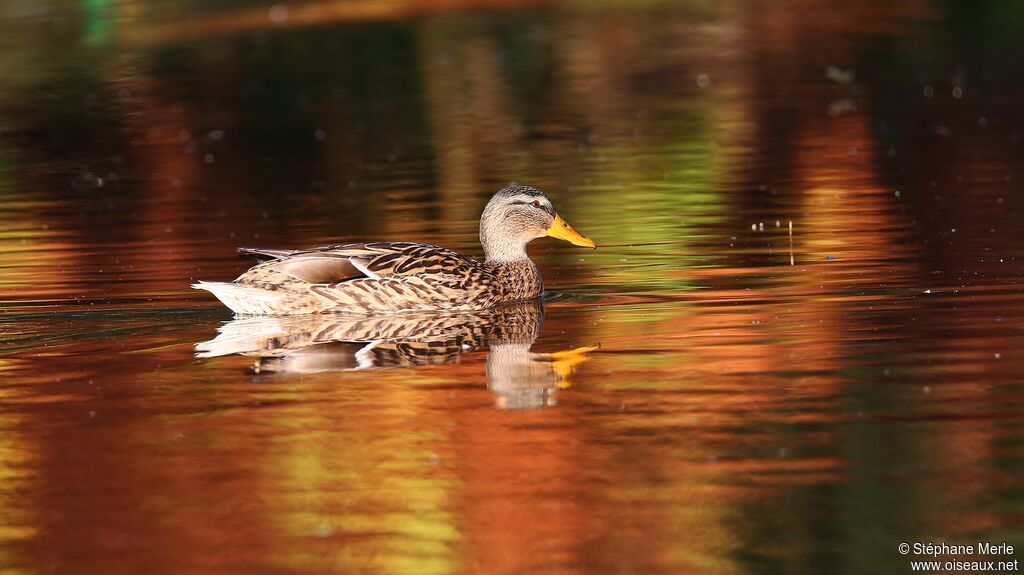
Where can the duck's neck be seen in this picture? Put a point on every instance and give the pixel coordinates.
(499, 257)
(502, 250)
(506, 258)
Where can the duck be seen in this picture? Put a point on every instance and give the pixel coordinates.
(393, 277)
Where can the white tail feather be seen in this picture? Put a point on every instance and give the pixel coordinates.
(241, 299)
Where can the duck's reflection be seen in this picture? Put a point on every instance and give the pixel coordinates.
(520, 378)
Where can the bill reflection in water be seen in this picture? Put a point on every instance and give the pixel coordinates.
(318, 343)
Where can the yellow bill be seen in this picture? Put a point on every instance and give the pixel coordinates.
(562, 230)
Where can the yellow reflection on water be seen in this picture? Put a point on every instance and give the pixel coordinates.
(39, 257)
(19, 522)
(741, 413)
(373, 496)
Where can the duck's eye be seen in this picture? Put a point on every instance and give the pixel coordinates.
(536, 203)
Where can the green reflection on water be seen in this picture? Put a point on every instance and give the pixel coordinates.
(776, 447)
(99, 21)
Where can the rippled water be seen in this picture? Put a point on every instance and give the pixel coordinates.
(705, 393)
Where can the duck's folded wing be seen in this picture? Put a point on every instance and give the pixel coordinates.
(311, 269)
(266, 253)
(403, 259)
(376, 260)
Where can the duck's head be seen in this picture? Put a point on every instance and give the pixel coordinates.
(517, 215)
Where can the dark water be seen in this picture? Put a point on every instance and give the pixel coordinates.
(687, 401)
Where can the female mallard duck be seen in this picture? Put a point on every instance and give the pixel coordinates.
(387, 277)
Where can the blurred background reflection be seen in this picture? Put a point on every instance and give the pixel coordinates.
(741, 415)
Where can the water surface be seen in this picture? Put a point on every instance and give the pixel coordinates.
(705, 393)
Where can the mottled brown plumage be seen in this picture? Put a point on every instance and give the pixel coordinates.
(388, 277)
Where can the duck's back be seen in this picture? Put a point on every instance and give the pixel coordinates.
(378, 277)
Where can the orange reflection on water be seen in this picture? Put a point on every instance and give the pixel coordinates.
(741, 414)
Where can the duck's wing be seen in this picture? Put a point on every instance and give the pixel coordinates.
(267, 253)
(404, 259)
(377, 260)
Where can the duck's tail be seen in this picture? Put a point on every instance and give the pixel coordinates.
(242, 299)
